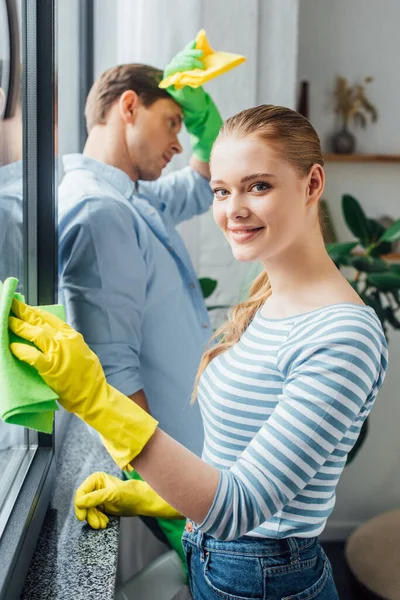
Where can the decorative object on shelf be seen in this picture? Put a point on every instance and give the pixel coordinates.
(303, 106)
(376, 280)
(351, 105)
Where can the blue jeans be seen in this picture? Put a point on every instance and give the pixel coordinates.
(257, 569)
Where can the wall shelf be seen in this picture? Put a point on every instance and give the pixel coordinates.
(360, 158)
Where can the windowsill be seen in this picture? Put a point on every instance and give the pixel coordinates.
(72, 559)
(14, 467)
(23, 525)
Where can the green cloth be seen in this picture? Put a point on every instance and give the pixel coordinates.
(24, 397)
(172, 528)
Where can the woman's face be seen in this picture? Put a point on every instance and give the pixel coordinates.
(261, 203)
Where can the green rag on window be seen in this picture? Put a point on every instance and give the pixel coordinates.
(24, 397)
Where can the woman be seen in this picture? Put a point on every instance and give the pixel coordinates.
(283, 393)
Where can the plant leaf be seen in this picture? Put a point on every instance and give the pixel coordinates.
(377, 230)
(395, 268)
(392, 233)
(337, 251)
(384, 281)
(356, 220)
(207, 286)
(367, 264)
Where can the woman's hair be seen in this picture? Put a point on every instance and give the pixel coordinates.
(293, 138)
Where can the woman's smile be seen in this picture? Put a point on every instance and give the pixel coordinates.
(241, 235)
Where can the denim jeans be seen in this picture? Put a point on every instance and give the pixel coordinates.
(256, 568)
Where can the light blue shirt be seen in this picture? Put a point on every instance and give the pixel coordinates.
(11, 216)
(129, 286)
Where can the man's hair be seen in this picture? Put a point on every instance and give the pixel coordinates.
(110, 86)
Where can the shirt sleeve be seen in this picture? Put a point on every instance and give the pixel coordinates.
(103, 283)
(181, 194)
(330, 383)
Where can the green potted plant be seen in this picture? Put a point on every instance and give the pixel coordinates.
(374, 277)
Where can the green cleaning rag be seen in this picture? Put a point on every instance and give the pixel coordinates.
(24, 397)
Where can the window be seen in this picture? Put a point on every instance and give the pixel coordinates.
(14, 442)
(27, 251)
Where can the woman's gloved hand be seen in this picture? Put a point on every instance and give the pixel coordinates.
(200, 115)
(102, 494)
(73, 371)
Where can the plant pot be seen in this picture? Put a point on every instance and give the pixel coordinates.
(343, 142)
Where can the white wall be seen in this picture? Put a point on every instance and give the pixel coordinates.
(105, 35)
(356, 38)
(68, 78)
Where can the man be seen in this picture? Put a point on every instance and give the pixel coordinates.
(125, 275)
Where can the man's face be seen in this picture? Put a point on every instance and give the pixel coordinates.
(152, 140)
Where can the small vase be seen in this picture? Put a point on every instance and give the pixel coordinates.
(343, 141)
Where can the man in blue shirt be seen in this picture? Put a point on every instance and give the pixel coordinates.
(125, 276)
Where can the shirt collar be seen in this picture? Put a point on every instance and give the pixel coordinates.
(115, 177)
(10, 173)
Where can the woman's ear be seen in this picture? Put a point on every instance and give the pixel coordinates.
(128, 104)
(315, 185)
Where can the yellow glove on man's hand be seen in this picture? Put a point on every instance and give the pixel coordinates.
(73, 371)
(102, 494)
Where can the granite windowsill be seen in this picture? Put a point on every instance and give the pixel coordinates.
(72, 561)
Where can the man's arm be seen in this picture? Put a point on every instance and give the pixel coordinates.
(203, 168)
(181, 194)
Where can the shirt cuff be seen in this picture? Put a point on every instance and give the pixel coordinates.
(212, 519)
(128, 382)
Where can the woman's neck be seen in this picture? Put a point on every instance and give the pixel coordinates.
(304, 278)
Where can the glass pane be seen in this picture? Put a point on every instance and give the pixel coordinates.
(13, 440)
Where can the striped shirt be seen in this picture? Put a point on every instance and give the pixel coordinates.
(281, 411)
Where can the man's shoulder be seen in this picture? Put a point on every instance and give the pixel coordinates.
(84, 193)
(82, 184)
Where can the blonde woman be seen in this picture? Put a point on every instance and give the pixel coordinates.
(283, 392)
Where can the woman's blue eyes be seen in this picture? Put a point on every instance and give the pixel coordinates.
(256, 187)
(220, 193)
(262, 187)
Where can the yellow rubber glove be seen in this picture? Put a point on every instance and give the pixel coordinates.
(68, 366)
(102, 494)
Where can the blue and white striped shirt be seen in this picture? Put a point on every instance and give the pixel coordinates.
(281, 411)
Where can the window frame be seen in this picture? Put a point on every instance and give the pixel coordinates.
(34, 482)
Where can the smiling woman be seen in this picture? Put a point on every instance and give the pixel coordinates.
(283, 394)
(271, 196)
